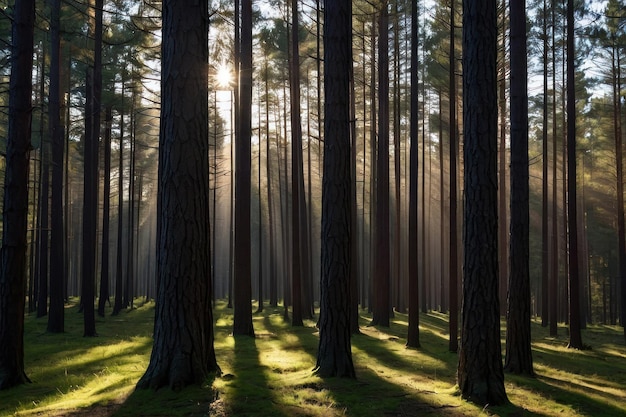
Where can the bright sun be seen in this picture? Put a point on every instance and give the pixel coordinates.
(223, 77)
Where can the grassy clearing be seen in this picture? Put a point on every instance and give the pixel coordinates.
(270, 375)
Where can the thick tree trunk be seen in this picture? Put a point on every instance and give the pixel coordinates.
(183, 351)
(480, 374)
(518, 341)
(334, 357)
(15, 208)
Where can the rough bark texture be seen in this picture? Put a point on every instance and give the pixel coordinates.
(15, 209)
(413, 336)
(334, 357)
(183, 351)
(453, 344)
(382, 308)
(575, 336)
(57, 240)
(519, 358)
(480, 374)
(243, 275)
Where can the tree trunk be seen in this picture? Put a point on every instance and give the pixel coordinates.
(575, 336)
(183, 351)
(518, 340)
(413, 336)
(243, 275)
(382, 259)
(545, 242)
(119, 271)
(15, 207)
(453, 268)
(334, 356)
(554, 264)
(90, 208)
(57, 241)
(297, 266)
(104, 274)
(480, 374)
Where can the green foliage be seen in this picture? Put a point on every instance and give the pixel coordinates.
(272, 373)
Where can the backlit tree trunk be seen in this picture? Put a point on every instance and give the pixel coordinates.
(183, 351)
(518, 349)
(480, 374)
(15, 208)
(334, 357)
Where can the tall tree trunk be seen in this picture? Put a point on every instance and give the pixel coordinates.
(119, 271)
(43, 244)
(90, 208)
(453, 268)
(270, 198)
(15, 207)
(480, 374)
(242, 279)
(57, 241)
(104, 274)
(297, 266)
(545, 242)
(554, 264)
(382, 261)
(575, 336)
(413, 336)
(183, 351)
(503, 228)
(518, 339)
(334, 356)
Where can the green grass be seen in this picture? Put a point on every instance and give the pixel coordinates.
(271, 375)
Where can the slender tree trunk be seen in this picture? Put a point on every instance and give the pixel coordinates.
(90, 209)
(503, 228)
(453, 268)
(382, 262)
(119, 271)
(242, 279)
(15, 207)
(518, 339)
(104, 274)
(554, 264)
(575, 336)
(545, 242)
(57, 242)
(413, 336)
(43, 244)
(297, 267)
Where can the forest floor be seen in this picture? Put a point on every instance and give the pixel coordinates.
(271, 374)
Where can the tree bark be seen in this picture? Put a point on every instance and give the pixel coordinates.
(382, 308)
(183, 351)
(413, 336)
(104, 266)
(480, 374)
(575, 335)
(15, 208)
(334, 357)
(57, 240)
(243, 275)
(518, 339)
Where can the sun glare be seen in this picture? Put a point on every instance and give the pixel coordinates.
(223, 77)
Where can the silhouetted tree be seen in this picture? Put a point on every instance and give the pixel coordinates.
(480, 374)
(183, 351)
(334, 356)
(15, 208)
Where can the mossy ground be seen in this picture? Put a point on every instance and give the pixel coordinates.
(271, 374)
